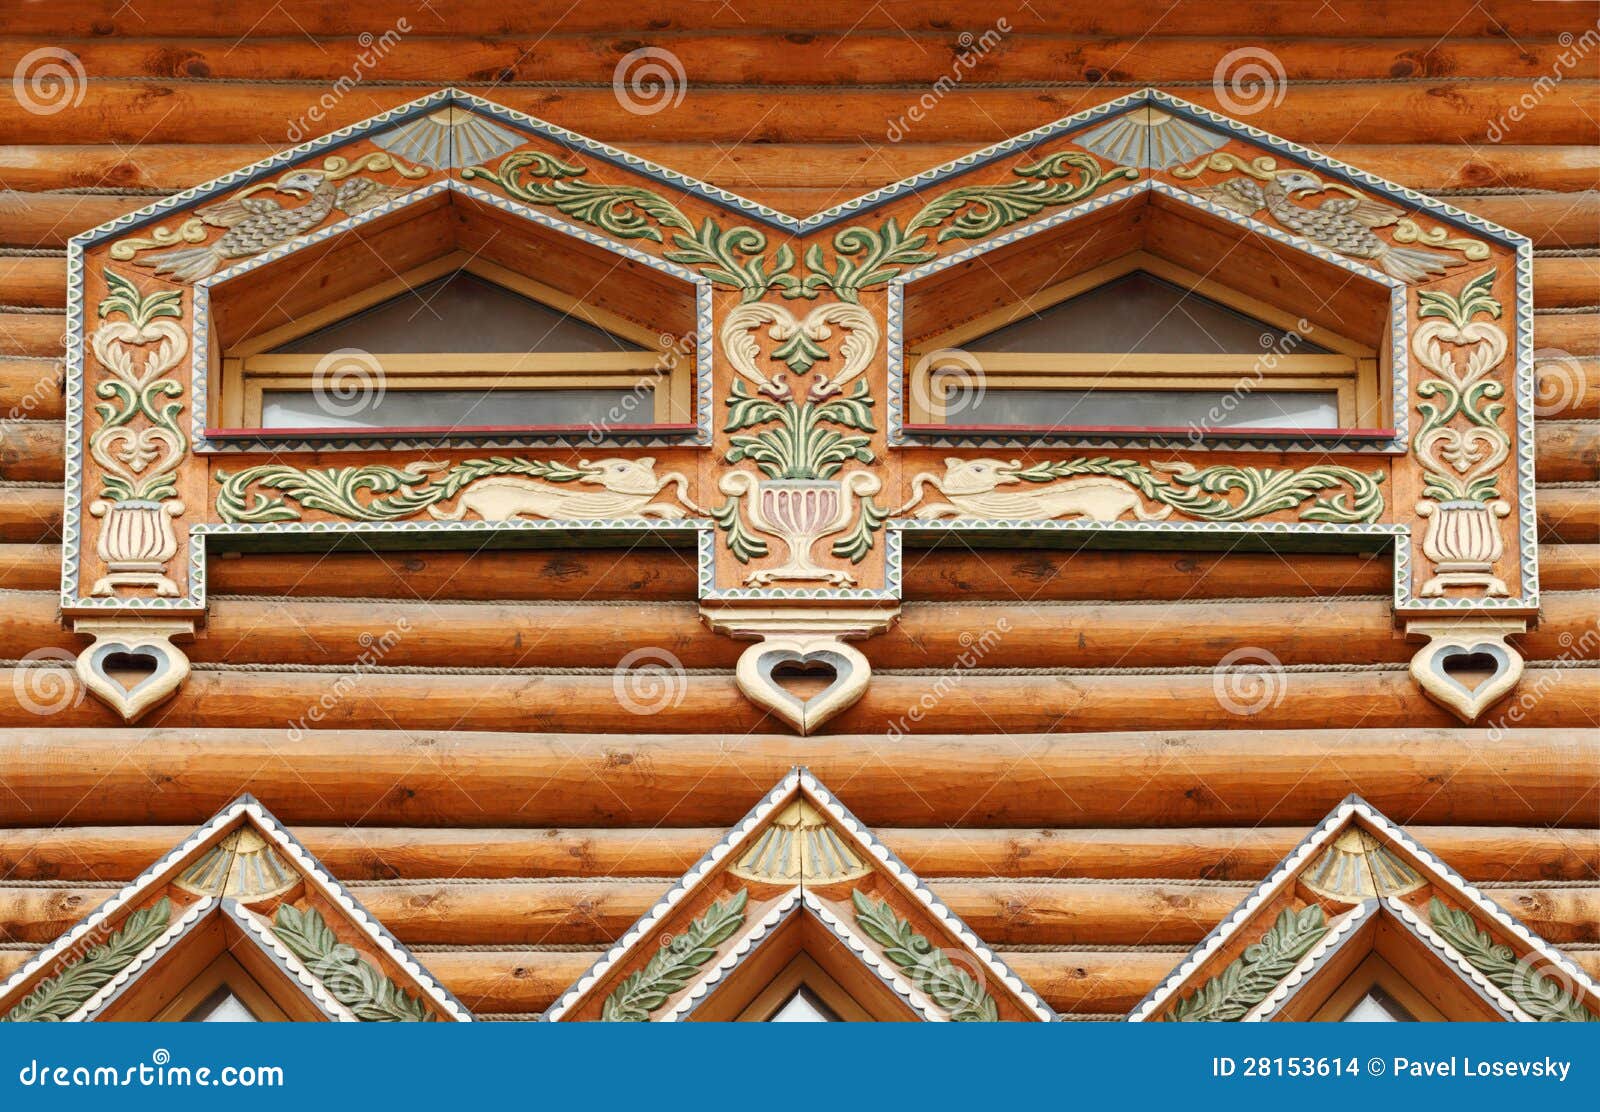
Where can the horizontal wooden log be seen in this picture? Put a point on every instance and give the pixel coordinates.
(1425, 111)
(30, 567)
(34, 281)
(831, 58)
(119, 853)
(31, 335)
(893, 705)
(1492, 19)
(593, 911)
(1569, 515)
(928, 637)
(1568, 387)
(1567, 452)
(32, 451)
(417, 777)
(855, 167)
(1569, 566)
(1566, 281)
(30, 514)
(31, 389)
(1549, 219)
(1568, 334)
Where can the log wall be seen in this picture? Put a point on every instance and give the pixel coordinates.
(1084, 794)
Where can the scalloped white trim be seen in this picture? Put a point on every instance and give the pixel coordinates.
(314, 987)
(1441, 874)
(747, 942)
(886, 970)
(310, 868)
(87, 1009)
(799, 779)
(1471, 972)
(1337, 930)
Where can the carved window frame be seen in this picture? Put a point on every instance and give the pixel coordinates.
(775, 276)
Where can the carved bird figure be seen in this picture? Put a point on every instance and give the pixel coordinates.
(1342, 224)
(257, 223)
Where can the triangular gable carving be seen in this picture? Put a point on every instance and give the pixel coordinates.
(244, 891)
(799, 476)
(799, 877)
(1358, 891)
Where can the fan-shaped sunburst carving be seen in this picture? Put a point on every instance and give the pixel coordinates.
(1151, 139)
(800, 847)
(242, 867)
(449, 137)
(1358, 867)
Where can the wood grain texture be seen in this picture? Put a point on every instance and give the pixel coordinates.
(119, 853)
(894, 704)
(1179, 778)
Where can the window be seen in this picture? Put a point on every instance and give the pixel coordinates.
(462, 353)
(1139, 352)
(803, 1007)
(222, 992)
(805, 992)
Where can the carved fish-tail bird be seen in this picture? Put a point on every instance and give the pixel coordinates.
(256, 224)
(1342, 224)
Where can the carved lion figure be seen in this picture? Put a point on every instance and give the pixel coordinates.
(973, 489)
(627, 487)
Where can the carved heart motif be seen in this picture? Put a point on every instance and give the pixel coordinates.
(170, 667)
(1430, 667)
(760, 662)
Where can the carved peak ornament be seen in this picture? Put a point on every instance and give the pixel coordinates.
(799, 894)
(1360, 904)
(239, 898)
(802, 463)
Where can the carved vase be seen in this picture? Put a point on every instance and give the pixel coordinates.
(799, 511)
(1463, 541)
(136, 541)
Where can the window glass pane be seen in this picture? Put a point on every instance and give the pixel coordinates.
(1205, 409)
(803, 1007)
(457, 409)
(459, 312)
(1141, 313)
(1378, 1006)
(221, 1006)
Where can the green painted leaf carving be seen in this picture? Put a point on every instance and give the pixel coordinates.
(1207, 493)
(625, 211)
(670, 967)
(1540, 996)
(1459, 309)
(856, 543)
(930, 969)
(63, 994)
(990, 207)
(124, 297)
(351, 979)
(743, 544)
(1254, 973)
(397, 492)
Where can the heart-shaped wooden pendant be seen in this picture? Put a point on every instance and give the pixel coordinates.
(1466, 668)
(760, 662)
(131, 651)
